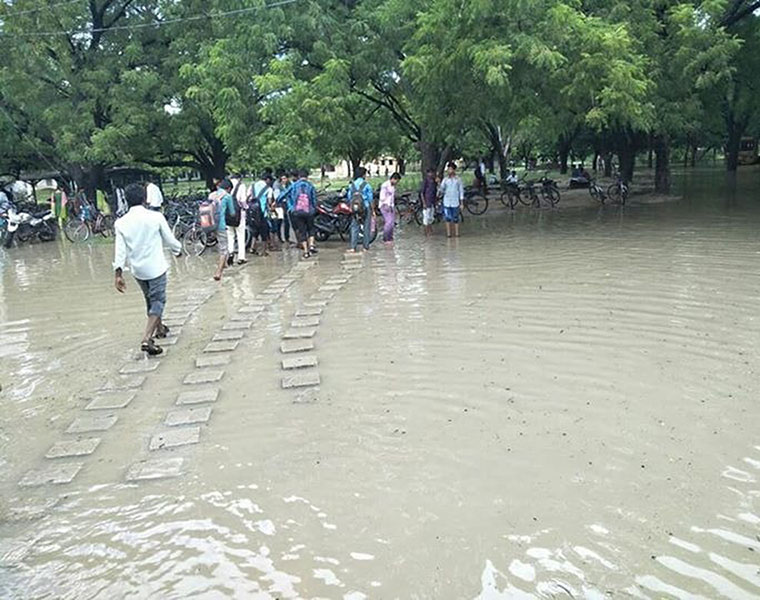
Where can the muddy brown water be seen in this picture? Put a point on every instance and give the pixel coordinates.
(559, 404)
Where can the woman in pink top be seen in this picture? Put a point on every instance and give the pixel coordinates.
(388, 206)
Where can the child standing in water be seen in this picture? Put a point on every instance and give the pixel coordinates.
(452, 192)
(388, 207)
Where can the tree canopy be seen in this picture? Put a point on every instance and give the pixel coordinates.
(218, 84)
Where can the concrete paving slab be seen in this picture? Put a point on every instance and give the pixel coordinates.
(251, 309)
(291, 346)
(308, 395)
(330, 288)
(271, 292)
(352, 266)
(323, 296)
(309, 312)
(88, 423)
(144, 366)
(226, 336)
(300, 333)
(174, 438)
(111, 400)
(305, 322)
(237, 325)
(337, 280)
(174, 332)
(203, 362)
(167, 341)
(174, 323)
(299, 362)
(68, 448)
(177, 314)
(187, 416)
(203, 376)
(198, 396)
(124, 383)
(315, 304)
(300, 380)
(155, 469)
(245, 317)
(58, 474)
(221, 346)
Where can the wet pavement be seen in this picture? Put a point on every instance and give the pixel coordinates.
(558, 404)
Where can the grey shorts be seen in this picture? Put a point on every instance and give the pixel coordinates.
(154, 291)
(221, 243)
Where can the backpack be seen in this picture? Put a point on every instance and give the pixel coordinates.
(207, 215)
(231, 217)
(303, 200)
(357, 200)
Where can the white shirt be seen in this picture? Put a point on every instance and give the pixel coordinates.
(155, 197)
(242, 192)
(139, 237)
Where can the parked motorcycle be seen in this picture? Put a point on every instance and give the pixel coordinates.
(25, 227)
(333, 217)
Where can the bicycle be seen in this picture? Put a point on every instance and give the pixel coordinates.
(79, 227)
(510, 194)
(549, 190)
(596, 191)
(618, 191)
(196, 240)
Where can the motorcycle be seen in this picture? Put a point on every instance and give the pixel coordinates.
(24, 227)
(333, 217)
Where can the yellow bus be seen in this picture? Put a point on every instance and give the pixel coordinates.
(748, 151)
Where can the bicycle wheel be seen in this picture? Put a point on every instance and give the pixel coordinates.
(476, 204)
(76, 230)
(551, 195)
(418, 215)
(194, 241)
(525, 197)
(613, 192)
(106, 226)
(593, 191)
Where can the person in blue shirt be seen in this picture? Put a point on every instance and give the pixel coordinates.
(224, 205)
(302, 205)
(363, 222)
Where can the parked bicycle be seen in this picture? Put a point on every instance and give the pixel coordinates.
(618, 191)
(596, 191)
(85, 221)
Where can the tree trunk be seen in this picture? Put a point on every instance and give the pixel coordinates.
(732, 147)
(354, 163)
(430, 154)
(662, 164)
(401, 162)
(650, 152)
(595, 162)
(627, 158)
(694, 150)
(563, 148)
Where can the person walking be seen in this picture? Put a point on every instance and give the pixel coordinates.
(140, 236)
(236, 235)
(281, 195)
(261, 199)
(225, 209)
(428, 195)
(58, 201)
(388, 207)
(361, 199)
(302, 205)
(452, 192)
(155, 197)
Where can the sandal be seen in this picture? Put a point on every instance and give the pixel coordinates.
(162, 332)
(305, 255)
(313, 250)
(151, 348)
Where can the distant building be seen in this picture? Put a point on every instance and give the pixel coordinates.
(383, 166)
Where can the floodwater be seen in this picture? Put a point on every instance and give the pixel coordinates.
(559, 404)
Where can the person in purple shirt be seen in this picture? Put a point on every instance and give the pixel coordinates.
(428, 194)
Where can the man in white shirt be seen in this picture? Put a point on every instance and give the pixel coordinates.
(140, 235)
(155, 197)
(240, 195)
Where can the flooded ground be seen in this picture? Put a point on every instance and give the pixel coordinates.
(559, 404)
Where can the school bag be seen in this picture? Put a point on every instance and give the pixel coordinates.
(303, 200)
(357, 199)
(207, 214)
(232, 217)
